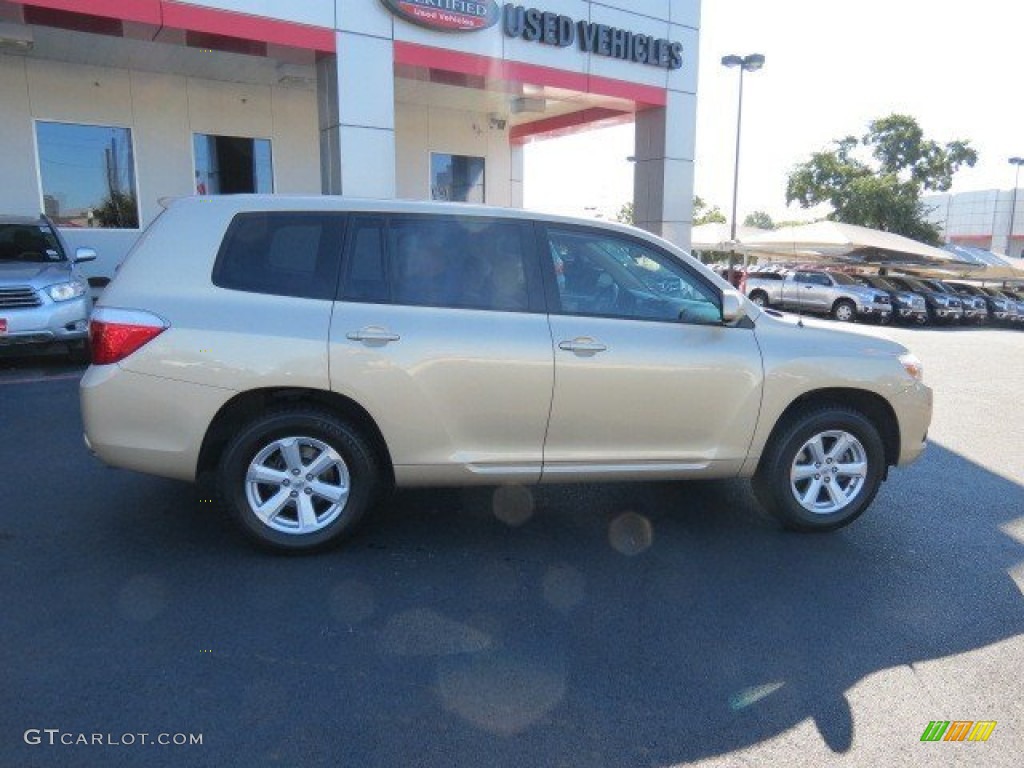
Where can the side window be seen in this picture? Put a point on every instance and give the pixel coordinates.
(461, 263)
(366, 277)
(286, 254)
(602, 274)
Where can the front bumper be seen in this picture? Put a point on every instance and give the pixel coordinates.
(913, 409)
(50, 322)
(881, 311)
(947, 313)
(912, 313)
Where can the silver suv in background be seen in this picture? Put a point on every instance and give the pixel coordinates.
(44, 299)
(311, 352)
(818, 291)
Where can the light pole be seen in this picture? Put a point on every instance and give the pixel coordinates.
(749, 63)
(1018, 161)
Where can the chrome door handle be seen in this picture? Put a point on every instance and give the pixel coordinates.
(373, 334)
(582, 345)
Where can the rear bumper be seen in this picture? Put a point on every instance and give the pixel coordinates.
(147, 423)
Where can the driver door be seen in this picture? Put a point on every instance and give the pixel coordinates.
(647, 378)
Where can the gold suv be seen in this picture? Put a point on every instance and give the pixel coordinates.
(312, 352)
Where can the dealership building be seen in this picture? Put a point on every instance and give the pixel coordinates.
(111, 105)
(992, 219)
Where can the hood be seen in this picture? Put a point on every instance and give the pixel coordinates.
(37, 274)
(823, 334)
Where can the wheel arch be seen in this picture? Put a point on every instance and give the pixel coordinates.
(873, 406)
(246, 406)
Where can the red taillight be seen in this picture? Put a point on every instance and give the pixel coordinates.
(115, 334)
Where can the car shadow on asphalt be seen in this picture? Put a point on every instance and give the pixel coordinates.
(619, 625)
(625, 625)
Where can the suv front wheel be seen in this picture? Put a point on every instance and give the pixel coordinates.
(821, 470)
(298, 479)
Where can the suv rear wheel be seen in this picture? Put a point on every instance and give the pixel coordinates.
(298, 479)
(821, 470)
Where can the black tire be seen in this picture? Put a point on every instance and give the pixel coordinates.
(760, 298)
(772, 484)
(312, 426)
(845, 311)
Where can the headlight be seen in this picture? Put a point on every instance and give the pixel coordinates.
(66, 291)
(912, 366)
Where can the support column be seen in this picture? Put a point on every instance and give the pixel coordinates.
(663, 171)
(516, 176)
(356, 98)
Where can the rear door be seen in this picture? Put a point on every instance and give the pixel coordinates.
(647, 378)
(440, 333)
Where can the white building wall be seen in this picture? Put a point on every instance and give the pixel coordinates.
(163, 111)
(421, 130)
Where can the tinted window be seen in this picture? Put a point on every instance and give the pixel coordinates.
(366, 276)
(287, 254)
(602, 274)
(29, 242)
(464, 263)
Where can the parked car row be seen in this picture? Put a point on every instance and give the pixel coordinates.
(883, 298)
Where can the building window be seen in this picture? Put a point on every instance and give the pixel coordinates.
(457, 178)
(227, 165)
(88, 175)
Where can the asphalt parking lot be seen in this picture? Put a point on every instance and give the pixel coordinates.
(589, 626)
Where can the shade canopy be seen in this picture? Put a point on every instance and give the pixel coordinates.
(836, 240)
(715, 236)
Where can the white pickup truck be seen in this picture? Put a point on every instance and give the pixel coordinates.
(818, 291)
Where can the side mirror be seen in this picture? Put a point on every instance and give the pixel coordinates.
(83, 254)
(732, 307)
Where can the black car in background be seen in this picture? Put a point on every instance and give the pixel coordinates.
(974, 307)
(1000, 308)
(906, 305)
(1017, 297)
(942, 307)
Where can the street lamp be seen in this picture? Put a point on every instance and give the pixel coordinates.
(1018, 161)
(749, 63)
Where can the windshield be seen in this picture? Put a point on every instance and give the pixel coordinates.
(914, 285)
(842, 278)
(31, 243)
(940, 287)
(882, 283)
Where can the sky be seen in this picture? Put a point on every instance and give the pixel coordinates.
(831, 67)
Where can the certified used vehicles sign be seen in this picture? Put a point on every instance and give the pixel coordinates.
(447, 15)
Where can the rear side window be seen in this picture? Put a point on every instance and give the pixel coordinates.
(285, 254)
(459, 263)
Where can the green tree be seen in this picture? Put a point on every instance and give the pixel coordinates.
(118, 210)
(625, 214)
(759, 219)
(877, 180)
(703, 214)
